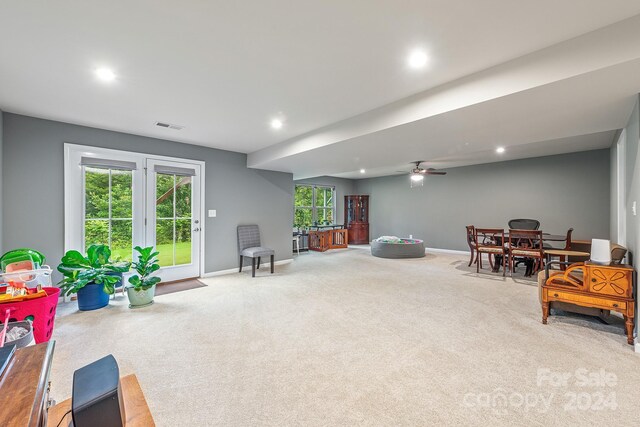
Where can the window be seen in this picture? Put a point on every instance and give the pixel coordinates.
(108, 213)
(173, 219)
(324, 205)
(314, 204)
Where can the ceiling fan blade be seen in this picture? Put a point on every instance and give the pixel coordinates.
(434, 172)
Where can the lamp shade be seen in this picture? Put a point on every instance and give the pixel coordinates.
(600, 251)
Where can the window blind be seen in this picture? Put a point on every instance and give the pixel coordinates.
(173, 170)
(108, 163)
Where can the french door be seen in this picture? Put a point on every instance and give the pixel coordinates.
(173, 217)
(125, 199)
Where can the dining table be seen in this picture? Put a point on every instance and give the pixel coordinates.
(546, 237)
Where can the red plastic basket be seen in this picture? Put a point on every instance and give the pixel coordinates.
(41, 311)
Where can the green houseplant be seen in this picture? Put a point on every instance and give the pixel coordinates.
(93, 277)
(142, 286)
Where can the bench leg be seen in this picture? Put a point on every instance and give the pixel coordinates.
(271, 264)
(545, 312)
(628, 324)
(241, 261)
(258, 263)
(253, 267)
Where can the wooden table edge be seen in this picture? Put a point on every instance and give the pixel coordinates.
(135, 406)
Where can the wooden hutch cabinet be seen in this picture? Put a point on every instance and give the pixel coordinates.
(356, 217)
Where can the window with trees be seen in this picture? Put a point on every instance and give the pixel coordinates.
(314, 204)
(108, 213)
(173, 219)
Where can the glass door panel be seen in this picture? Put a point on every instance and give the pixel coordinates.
(173, 222)
(173, 219)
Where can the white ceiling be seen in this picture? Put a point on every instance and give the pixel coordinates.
(224, 69)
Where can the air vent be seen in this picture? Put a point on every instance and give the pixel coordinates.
(169, 125)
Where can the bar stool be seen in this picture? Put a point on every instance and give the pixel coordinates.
(296, 242)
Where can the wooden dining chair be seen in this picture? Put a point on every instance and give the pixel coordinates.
(491, 242)
(471, 241)
(567, 247)
(526, 244)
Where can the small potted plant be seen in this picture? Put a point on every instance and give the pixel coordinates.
(142, 286)
(92, 277)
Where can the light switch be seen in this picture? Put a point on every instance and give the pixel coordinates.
(212, 213)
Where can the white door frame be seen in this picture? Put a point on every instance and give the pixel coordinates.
(74, 192)
(174, 272)
(621, 196)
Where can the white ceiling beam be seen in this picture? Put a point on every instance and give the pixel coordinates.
(615, 44)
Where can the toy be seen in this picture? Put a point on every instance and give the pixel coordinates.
(21, 269)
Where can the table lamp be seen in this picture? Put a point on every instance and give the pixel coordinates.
(600, 251)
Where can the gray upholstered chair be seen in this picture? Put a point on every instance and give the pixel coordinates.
(249, 246)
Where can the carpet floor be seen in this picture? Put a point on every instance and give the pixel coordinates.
(343, 338)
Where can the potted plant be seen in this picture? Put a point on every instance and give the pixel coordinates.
(142, 286)
(92, 277)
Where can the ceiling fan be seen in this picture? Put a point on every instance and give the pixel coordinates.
(417, 174)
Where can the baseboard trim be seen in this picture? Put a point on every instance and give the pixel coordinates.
(235, 270)
(447, 251)
(637, 346)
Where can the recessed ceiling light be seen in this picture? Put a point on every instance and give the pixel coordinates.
(362, 171)
(417, 59)
(105, 74)
(500, 150)
(276, 123)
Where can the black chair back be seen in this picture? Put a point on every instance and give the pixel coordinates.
(524, 224)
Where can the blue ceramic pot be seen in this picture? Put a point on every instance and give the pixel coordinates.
(92, 297)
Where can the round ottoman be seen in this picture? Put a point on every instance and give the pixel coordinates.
(402, 248)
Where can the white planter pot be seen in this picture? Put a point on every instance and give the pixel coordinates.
(141, 298)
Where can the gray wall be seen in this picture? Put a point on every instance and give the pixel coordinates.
(632, 179)
(343, 187)
(631, 185)
(561, 191)
(34, 182)
(613, 190)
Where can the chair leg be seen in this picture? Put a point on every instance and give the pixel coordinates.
(504, 265)
(479, 262)
(511, 267)
(272, 264)
(240, 271)
(253, 267)
(258, 263)
(471, 259)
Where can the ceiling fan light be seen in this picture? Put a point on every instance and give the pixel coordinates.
(417, 180)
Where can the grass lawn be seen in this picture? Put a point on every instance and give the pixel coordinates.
(183, 253)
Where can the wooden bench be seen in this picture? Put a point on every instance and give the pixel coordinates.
(135, 406)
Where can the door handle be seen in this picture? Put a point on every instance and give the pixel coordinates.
(196, 229)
